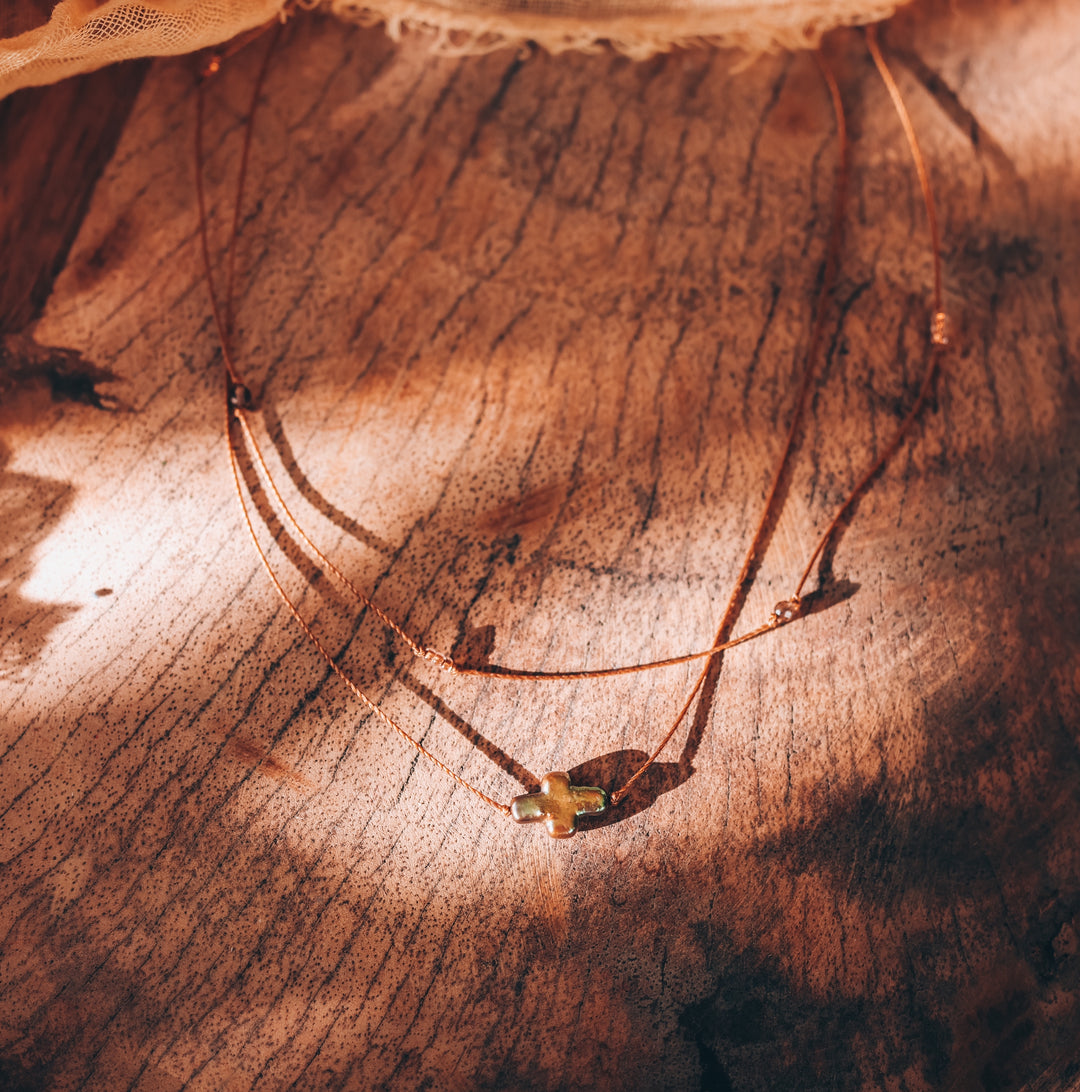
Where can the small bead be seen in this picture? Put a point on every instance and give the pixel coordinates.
(939, 328)
(785, 611)
(239, 396)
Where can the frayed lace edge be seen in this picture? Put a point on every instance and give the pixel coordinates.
(639, 36)
(69, 45)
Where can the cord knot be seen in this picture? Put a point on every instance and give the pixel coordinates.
(438, 658)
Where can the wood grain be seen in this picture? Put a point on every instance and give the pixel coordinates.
(524, 331)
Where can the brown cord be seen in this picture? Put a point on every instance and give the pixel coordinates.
(249, 128)
(203, 236)
(231, 409)
(224, 328)
(332, 663)
(608, 672)
(383, 617)
(939, 338)
(920, 166)
(827, 281)
(235, 406)
(241, 402)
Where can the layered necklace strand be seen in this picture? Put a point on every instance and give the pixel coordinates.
(559, 804)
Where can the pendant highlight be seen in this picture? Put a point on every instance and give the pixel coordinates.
(558, 805)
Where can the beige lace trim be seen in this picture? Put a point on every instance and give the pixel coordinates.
(83, 35)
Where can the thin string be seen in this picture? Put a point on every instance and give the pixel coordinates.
(938, 341)
(827, 281)
(433, 655)
(719, 644)
(916, 154)
(224, 327)
(939, 337)
(332, 663)
(225, 323)
(608, 672)
(249, 128)
(231, 410)
(203, 234)
(416, 647)
(212, 67)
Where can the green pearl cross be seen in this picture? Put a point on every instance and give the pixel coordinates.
(558, 804)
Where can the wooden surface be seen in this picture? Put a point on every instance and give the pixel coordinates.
(525, 331)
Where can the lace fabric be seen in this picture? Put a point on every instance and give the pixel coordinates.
(82, 35)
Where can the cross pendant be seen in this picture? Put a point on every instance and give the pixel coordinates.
(558, 804)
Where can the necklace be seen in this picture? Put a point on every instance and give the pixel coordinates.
(558, 804)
